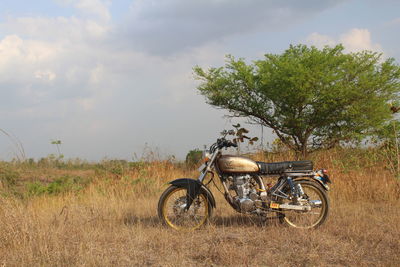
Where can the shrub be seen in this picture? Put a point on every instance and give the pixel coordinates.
(193, 157)
(60, 185)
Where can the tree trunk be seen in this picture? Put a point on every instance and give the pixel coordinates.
(304, 151)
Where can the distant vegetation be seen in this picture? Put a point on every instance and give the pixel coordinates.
(53, 175)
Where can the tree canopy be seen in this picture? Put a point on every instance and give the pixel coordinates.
(311, 98)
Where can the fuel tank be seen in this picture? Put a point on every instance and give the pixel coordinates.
(236, 164)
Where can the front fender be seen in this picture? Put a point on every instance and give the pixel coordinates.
(194, 187)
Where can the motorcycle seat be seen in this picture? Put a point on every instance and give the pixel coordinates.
(285, 167)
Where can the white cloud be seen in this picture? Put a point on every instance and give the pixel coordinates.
(320, 40)
(355, 40)
(84, 74)
(394, 22)
(359, 39)
(45, 75)
(13, 48)
(55, 29)
(21, 60)
(97, 9)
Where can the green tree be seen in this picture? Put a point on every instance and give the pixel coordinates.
(311, 98)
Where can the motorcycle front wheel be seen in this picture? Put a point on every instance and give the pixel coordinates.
(314, 196)
(172, 209)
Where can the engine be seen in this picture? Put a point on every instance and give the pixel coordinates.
(245, 187)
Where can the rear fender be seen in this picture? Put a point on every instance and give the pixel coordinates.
(314, 179)
(194, 187)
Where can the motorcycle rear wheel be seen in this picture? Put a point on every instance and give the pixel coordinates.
(308, 219)
(172, 211)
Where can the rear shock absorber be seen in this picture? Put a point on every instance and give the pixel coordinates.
(300, 190)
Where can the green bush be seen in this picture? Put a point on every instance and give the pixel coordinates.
(60, 185)
(114, 166)
(193, 157)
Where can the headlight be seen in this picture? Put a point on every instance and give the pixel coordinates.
(206, 155)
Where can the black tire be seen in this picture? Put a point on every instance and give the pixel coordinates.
(303, 220)
(172, 213)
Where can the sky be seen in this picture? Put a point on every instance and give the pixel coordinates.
(114, 78)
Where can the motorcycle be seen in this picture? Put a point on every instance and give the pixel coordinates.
(298, 198)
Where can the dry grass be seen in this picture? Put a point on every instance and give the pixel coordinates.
(113, 222)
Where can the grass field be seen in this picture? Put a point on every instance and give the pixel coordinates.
(75, 213)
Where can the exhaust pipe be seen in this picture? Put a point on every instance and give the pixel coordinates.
(294, 207)
(286, 206)
(315, 203)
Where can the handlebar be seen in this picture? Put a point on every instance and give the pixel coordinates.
(221, 143)
(234, 144)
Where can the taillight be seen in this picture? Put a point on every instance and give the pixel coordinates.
(325, 175)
